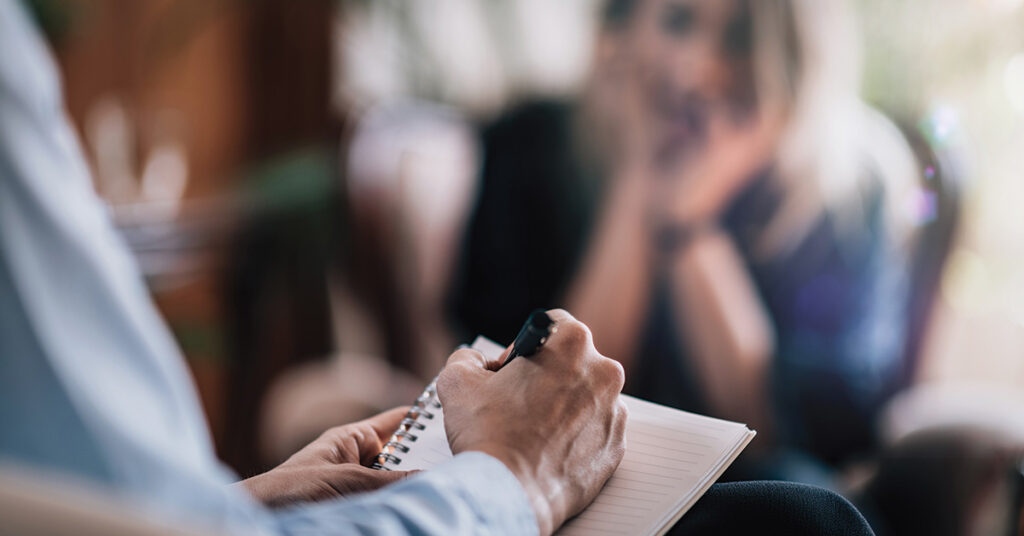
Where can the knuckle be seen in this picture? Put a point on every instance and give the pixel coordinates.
(559, 315)
(460, 355)
(462, 362)
(609, 376)
(455, 376)
(575, 334)
(616, 373)
(332, 436)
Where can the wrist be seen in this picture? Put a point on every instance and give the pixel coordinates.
(260, 487)
(673, 238)
(539, 495)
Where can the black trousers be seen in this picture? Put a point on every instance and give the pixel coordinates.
(768, 508)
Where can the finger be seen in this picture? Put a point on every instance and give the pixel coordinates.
(554, 315)
(613, 373)
(472, 360)
(560, 315)
(362, 441)
(620, 419)
(569, 337)
(465, 368)
(561, 326)
(385, 424)
(504, 356)
(352, 478)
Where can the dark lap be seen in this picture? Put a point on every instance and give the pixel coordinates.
(767, 508)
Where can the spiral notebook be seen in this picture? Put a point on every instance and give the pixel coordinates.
(672, 458)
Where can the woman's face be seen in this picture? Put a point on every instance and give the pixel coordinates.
(693, 60)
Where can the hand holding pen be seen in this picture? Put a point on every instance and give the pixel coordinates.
(558, 424)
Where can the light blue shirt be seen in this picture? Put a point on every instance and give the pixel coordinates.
(91, 382)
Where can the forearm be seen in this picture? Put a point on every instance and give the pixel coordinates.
(730, 332)
(471, 494)
(611, 291)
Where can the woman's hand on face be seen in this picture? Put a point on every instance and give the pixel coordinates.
(708, 170)
(702, 174)
(619, 128)
(704, 183)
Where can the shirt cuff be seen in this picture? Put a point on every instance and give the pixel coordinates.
(492, 491)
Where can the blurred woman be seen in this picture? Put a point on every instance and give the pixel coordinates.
(718, 206)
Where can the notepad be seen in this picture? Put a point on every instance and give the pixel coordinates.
(672, 458)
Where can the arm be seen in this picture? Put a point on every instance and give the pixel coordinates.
(612, 290)
(730, 332)
(551, 426)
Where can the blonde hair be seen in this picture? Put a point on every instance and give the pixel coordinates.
(807, 53)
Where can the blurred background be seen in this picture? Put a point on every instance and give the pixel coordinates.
(327, 196)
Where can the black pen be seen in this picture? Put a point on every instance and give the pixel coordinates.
(534, 333)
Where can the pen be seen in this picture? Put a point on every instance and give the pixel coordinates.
(534, 333)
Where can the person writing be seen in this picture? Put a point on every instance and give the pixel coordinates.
(92, 386)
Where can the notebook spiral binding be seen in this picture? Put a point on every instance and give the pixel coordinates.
(425, 408)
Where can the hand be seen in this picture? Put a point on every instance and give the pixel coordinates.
(727, 161)
(331, 466)
(688, 181)
(555, 419)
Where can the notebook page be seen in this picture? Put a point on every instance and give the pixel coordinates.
(430, 448)
(671, 458)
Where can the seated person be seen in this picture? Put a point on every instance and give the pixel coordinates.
(718, 207)
(92, 386)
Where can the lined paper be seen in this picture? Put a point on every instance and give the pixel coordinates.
(671, 459)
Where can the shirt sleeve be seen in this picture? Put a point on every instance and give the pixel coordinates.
(471, 494)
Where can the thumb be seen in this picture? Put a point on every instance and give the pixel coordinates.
(385, 424)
